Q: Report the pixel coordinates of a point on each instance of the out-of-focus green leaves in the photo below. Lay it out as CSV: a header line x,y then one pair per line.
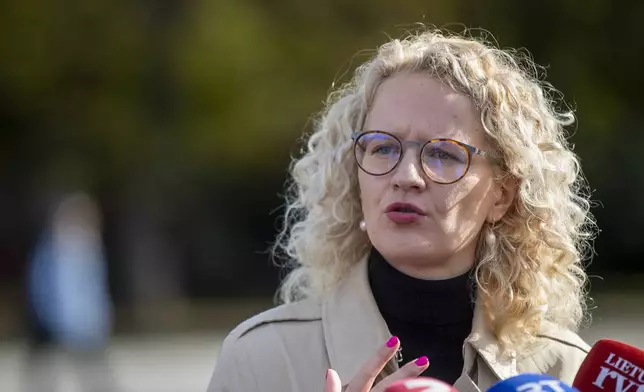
x,y
72,70
228,65
243,77
162,103
253,73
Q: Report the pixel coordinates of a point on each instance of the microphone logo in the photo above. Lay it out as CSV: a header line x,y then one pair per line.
x,y
542,386
531,382
628,377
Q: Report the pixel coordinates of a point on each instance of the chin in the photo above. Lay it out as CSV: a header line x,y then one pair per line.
x,y
414,241
412,252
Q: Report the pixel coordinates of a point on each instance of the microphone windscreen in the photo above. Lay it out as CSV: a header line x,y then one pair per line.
x,y
611,366
420,384
529,382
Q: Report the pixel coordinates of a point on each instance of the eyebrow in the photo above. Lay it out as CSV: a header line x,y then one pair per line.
x,y
398,133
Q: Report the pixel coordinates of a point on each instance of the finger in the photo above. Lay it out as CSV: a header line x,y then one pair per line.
x,y
412,369
332,382
363,381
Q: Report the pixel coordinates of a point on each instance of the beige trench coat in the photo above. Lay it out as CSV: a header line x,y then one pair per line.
x,y
289,348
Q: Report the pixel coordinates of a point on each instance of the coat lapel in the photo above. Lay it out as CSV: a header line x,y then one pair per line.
x,y
352,324
466,384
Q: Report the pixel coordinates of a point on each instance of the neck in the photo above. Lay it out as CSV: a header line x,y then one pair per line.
x,y
422,268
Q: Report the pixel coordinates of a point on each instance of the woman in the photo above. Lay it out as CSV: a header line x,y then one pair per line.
x,y
437,227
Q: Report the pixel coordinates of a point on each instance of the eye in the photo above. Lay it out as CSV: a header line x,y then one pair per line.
x,y
384,149
445,153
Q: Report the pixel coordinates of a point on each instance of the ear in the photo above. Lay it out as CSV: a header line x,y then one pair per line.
x,y
505,192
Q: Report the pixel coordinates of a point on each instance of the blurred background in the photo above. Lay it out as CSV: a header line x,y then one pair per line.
x,y
144,146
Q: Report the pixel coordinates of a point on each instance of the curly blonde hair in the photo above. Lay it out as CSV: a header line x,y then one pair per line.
x,y
529,265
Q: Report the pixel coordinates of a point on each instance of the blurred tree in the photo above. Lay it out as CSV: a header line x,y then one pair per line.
x,y
181,112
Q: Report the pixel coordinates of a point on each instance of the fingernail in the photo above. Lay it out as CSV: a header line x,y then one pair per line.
x,y
392,341
422,361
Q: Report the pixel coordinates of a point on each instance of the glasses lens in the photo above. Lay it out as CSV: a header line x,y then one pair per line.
x,y
445,161
377,153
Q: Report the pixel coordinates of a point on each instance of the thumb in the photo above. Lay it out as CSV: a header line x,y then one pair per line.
x,y
332,382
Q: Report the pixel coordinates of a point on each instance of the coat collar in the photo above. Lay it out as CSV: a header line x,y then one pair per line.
x,y
354,329
482,341
353,326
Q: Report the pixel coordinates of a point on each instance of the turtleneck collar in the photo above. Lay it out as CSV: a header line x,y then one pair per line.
x,y
429,302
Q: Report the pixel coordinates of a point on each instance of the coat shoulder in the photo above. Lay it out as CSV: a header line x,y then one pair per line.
x,y
560,355
255,354
295,312
566,340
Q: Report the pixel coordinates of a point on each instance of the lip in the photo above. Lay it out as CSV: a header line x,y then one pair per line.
x,y
412,213
394,207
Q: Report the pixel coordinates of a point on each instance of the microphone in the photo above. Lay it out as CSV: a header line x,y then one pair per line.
x,y
420,384
611,366
530,382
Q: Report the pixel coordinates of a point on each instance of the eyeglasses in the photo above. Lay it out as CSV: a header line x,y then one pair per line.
x,y
444,161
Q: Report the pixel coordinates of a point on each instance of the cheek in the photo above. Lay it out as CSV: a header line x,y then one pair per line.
x,y
450,198
468,199
371,191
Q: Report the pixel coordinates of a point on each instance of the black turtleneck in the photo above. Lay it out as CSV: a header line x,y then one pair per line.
x,y
430,317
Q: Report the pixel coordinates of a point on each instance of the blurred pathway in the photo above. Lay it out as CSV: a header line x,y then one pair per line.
x,y
184,362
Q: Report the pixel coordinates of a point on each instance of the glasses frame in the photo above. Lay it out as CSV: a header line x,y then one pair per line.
x,y
471,150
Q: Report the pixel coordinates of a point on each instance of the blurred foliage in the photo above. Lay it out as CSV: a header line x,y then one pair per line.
x,y
241,78
169,92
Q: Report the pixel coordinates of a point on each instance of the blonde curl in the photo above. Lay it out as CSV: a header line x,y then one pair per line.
x,y
529,264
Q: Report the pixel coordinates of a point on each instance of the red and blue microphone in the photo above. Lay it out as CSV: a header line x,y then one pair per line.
x,y
611,366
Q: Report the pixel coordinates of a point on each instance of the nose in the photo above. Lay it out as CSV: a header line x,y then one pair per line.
x,y
408,175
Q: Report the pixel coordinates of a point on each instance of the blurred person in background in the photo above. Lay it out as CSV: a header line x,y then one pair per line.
x,y
437,226
69,298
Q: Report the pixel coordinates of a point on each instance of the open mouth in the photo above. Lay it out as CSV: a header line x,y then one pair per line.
x,y
404,208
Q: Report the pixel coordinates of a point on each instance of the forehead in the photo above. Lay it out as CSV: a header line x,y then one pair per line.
x,y
419,106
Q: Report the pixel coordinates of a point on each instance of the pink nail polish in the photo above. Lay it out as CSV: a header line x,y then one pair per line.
x,y
422,361
392,341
